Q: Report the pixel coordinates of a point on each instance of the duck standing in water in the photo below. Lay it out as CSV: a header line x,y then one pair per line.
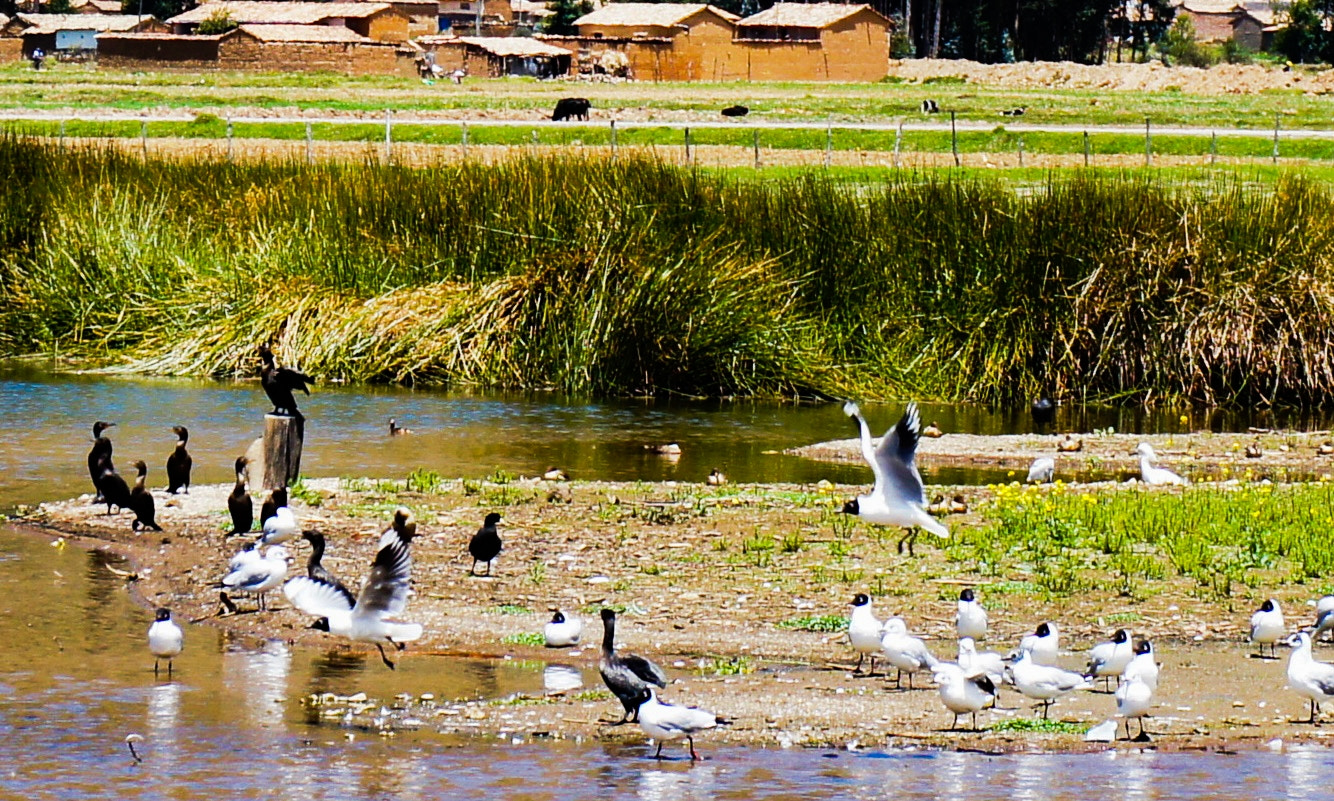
x,y
179,463
141,502
628,676
101,452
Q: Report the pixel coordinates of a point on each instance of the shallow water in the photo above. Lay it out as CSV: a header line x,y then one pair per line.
x,y
229,723
49,420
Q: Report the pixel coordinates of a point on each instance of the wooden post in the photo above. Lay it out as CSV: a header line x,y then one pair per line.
x,y
688,144
283,437
464,130
310,145
1148,143
1276,118
1021,153
613,138
143,136
954,141
229,137
388,137
756,131
828,145
898,143
1213,147
1086,148
62,129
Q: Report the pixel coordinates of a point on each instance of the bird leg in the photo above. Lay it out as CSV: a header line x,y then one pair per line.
x,y
955,725
694,757
871,672
909,536
975,722
154,666
861,657
384,658
658,755
1046,708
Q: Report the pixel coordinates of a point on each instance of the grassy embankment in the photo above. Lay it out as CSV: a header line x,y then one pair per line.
x,y
592,276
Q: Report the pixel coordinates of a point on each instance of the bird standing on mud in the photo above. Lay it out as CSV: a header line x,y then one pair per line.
x,y
239,504
141,501
485,544
628,676
112,487
280,382
179,463
100,453
898,497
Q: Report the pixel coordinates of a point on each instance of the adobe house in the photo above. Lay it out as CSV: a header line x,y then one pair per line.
x,y
529,13
815,42
380,22
268,47
1212,18
497,56
423,15
462,17
1255,27
662,41
96,6
69,32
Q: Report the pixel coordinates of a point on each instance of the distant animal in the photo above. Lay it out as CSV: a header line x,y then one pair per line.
x,y
1267,626
179,463
1149,473
1014,112
628,676
958,506
276,500
1070,445
1325,448
665,722
396,430
316,570
570,108
555,474
485,544
932,430
1043,411
257,574
562,632
735,111
1042,470
458,75
112,487
716,478
280,382
141,502
1254,451
165,639
930,107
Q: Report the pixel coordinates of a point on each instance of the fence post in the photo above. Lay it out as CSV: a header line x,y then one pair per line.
x,y
1086,148
310,146
757,147
1213,147
143,136
1148,143
1276,118
954,141
688,144
613,138
388,137
463,127
828,145
62,129
229,137
283,438
1021,153
898,144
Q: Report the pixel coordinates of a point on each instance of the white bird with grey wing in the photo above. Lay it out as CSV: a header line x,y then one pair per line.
x,y
1309,678
905,652
665,722
1267,626
898,497
1108,660
384,595
1042,470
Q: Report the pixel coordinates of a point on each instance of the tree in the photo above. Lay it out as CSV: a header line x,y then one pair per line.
x,y
1179,46
563,15
220,21
1305,39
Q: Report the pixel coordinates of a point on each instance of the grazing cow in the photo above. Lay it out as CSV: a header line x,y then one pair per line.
x,y
930,107
1016,112
735,111
570,108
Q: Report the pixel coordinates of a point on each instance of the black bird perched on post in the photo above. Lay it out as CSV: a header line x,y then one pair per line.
x,y
485,544
280,382
628,676
179,463
101,452
239,504
141,502
113,489
1043,411
276,499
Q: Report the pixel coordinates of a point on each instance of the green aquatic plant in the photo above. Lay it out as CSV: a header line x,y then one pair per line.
x,y
1038,725
825,623
524,638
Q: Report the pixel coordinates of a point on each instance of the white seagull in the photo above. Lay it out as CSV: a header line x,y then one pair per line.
x,y
258,574
1143,666
279,528
665,722
1324,616
562,632
1109,659
898,497
1151,475
963,694
985,663
1134,699
1312,679
971,619
383,596
165,639
864,631
1042,470
1043,682
904,651
1267,627
1044,644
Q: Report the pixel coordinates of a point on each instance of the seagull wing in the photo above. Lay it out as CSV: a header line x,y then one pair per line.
x,y
896,456
868,449
385,592
317,598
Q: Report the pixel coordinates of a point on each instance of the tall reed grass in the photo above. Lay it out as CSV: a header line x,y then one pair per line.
x,y
613,277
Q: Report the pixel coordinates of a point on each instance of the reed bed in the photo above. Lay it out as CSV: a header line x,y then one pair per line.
x,y
596,276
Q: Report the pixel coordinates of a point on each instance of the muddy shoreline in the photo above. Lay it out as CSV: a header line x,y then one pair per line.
x,y
704,596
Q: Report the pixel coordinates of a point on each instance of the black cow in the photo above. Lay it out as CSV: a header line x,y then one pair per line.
x,y
570,108
735,111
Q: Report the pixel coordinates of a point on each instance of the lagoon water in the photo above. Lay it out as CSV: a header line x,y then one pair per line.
x,y
76,679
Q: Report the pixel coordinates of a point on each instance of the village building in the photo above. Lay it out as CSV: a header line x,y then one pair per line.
x,y
476,17
661,41
269,47
529,13
1255,27
95,6
381,21
64,33
815,41
494,57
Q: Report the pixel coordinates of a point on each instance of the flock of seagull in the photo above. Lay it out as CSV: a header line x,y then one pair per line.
x,y
966,686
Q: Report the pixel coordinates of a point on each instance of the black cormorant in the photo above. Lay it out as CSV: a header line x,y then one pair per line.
x,y
141,502
101,451
113,489
280,382
179,463
317,571
627,676
269,508
240,506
